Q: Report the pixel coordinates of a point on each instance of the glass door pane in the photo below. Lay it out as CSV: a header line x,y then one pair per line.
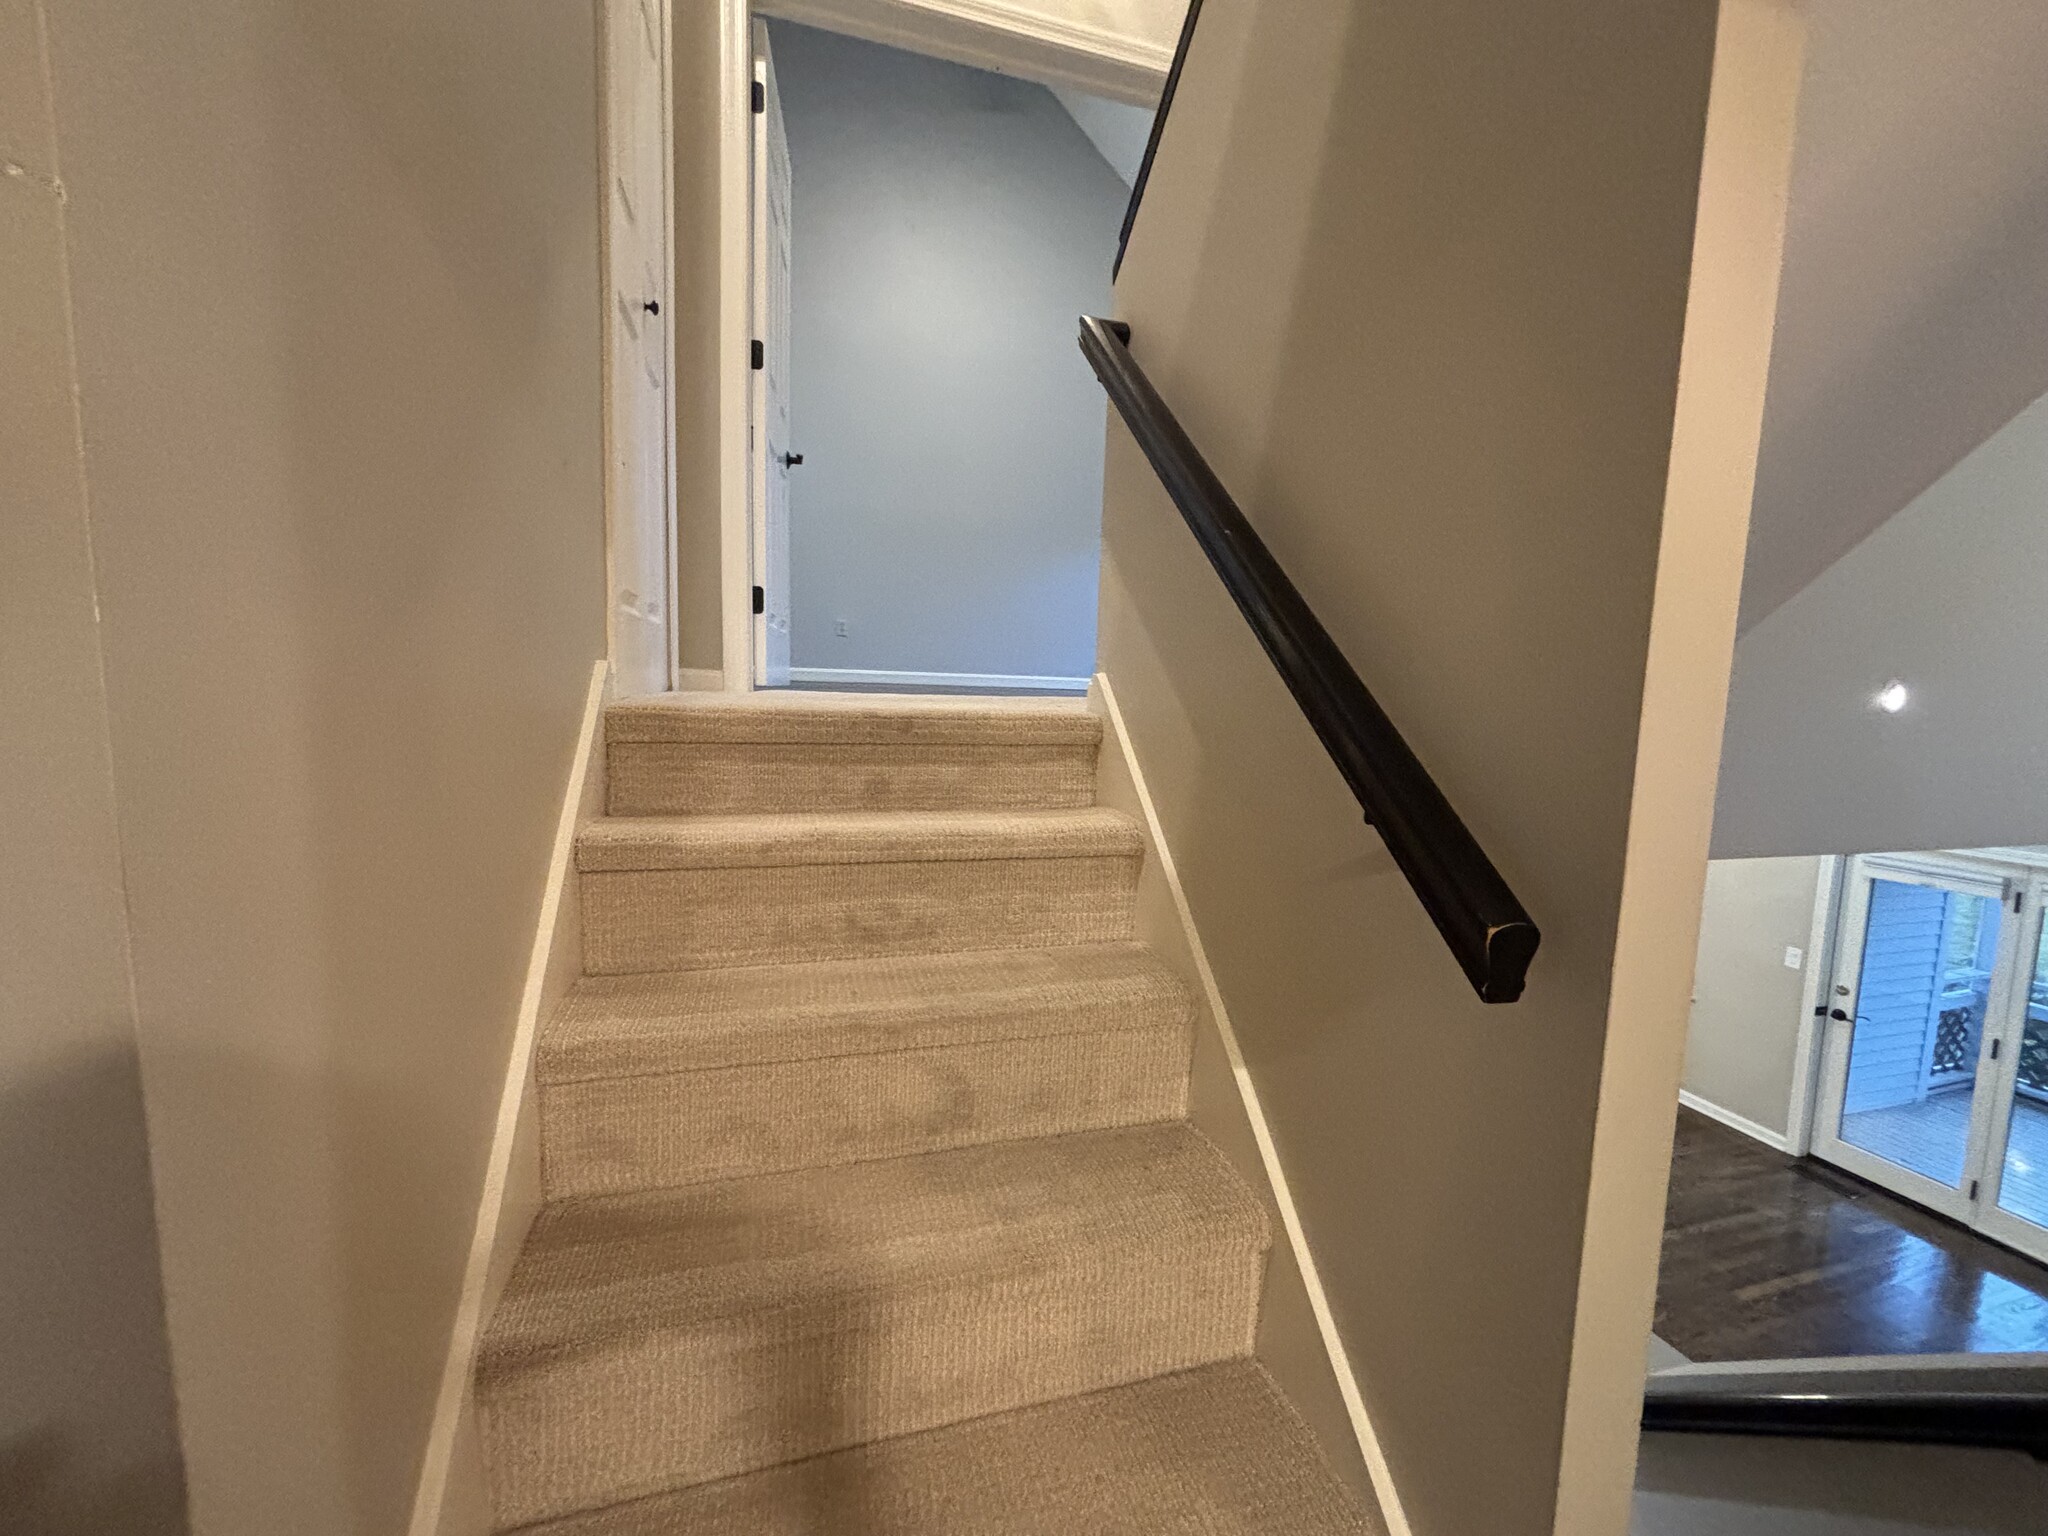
x,y
2024,1189
1928,958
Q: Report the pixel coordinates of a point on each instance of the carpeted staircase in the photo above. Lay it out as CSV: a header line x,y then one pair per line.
x,y
872,1208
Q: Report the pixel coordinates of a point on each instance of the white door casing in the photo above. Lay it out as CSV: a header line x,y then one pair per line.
x,y
769,443
639,419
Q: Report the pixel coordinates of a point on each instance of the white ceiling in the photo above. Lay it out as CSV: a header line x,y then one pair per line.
x,y
1913,317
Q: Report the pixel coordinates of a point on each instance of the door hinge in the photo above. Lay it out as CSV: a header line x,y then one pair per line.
x,y
760,599
1995,1044
760,97
760,355
1973,1189
2019,900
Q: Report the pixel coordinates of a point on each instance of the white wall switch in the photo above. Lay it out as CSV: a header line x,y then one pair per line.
x,y
1795,957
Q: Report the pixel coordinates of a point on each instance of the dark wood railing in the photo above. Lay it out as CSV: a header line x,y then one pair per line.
x,y
1490,935
1180,57
1992,1409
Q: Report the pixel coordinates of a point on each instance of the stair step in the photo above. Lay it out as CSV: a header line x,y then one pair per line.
x,y
730,753
651,1341
1215,1451
672,1077
689,892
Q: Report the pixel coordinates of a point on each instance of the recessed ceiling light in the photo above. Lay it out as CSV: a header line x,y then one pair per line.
x,y
1891,698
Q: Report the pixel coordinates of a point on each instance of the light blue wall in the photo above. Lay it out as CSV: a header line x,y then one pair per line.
x,y
948,228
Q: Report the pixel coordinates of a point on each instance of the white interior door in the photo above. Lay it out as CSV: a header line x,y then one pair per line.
x,y
638,417
1935,1069
770,429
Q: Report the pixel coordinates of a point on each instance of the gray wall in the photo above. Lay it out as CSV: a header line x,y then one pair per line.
x,y
1117,129
1908,327
1743,1035
948,228
88,1434
1731,1485
1947,597
334,272
694,380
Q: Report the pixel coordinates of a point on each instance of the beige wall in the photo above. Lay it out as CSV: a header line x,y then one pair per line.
x,y
1746,1002
88,1433
695,46
1381,275
336,289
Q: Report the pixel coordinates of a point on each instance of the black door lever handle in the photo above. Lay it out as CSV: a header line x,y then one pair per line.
x,y
789,459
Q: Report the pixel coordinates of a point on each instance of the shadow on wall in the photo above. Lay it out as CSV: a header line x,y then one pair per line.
x,y
81,1314
343,417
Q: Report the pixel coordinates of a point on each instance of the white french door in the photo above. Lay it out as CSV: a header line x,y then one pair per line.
x,y
1934,1078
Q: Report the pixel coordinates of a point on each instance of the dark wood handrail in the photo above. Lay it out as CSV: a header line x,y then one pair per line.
x,y
1180,57
1949,1411
1486,928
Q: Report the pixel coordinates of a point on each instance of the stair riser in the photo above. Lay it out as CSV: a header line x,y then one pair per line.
x,y
612,1135
685,919
681,1407
647,778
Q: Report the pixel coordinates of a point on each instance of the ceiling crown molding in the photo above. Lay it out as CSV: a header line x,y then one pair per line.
x,y
1008,39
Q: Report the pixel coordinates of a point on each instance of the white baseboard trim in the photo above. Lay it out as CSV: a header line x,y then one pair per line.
x,y
699,680
1763,1133
970,680
1171,930
450,1499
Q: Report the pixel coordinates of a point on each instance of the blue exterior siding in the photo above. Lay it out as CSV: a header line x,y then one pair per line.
x,y
1895,1001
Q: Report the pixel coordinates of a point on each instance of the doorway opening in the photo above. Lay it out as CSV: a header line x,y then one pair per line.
x,y
925,441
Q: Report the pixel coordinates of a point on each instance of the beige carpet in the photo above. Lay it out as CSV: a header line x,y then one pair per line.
x,y
1209,1452
871,1203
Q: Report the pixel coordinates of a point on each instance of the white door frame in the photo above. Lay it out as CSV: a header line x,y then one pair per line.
x,y
735,340
1992,1218
1975,1202
768,479
625,517
1816,996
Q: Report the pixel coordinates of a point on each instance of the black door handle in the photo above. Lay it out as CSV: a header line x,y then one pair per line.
x,y
652,306
789,459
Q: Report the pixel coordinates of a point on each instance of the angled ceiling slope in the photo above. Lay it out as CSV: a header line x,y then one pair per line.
x,y
1913,314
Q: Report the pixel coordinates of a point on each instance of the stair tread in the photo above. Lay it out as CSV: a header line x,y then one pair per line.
x,y
601,1271
1215,1451
681,1021
763,839
851,718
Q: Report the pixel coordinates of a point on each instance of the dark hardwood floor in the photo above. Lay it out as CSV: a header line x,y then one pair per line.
x,y
1771,1257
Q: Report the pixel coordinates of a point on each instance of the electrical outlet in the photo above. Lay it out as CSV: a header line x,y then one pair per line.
x,y
839,629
